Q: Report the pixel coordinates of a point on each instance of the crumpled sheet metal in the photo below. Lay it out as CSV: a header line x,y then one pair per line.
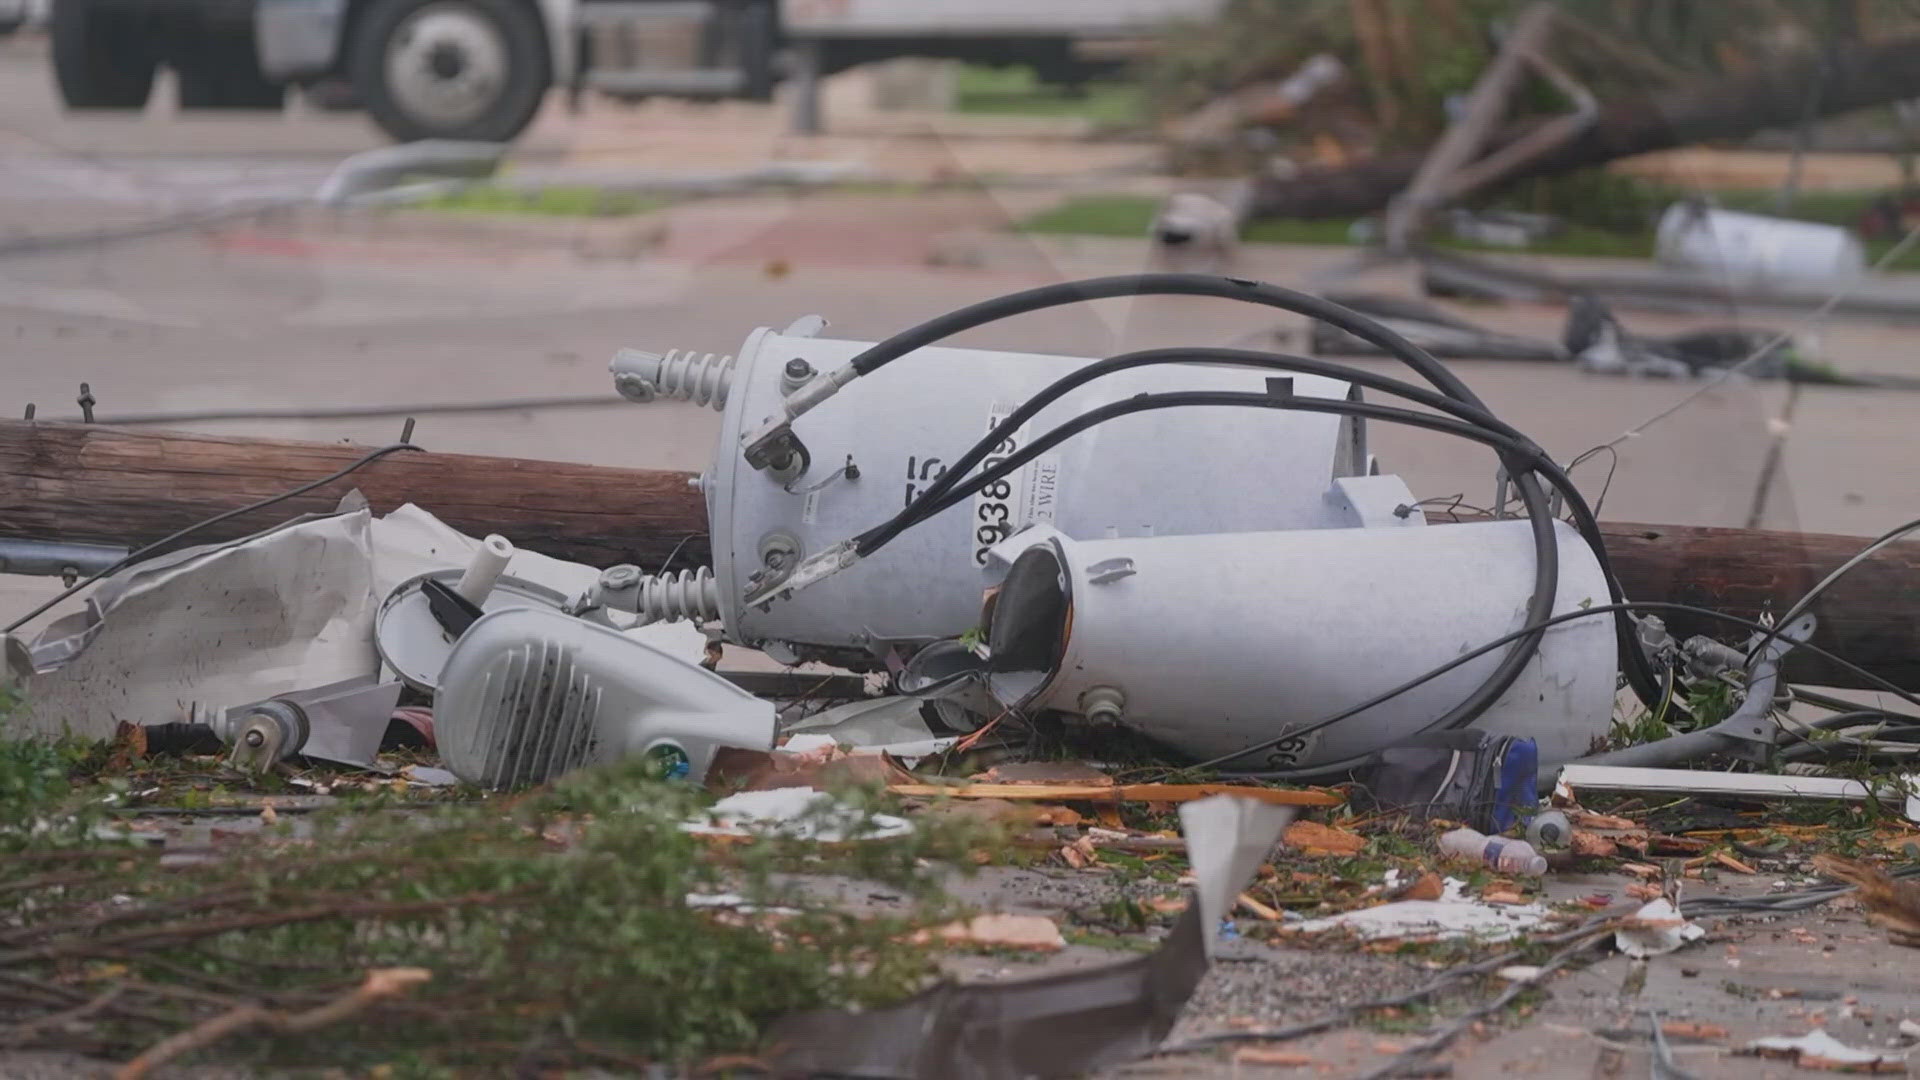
x,y
1053,1025
187,635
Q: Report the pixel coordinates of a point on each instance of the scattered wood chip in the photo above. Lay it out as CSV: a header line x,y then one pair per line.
x,y
1429,887
1258,1055
1045,772
1167,905
1661,844
1684,1029
1592,845
1640,891
1057,816
1080,854
1033,932
1732,863
1502,896
1586,819
129,746
1641,870
1122,840
1892,905
1260,909
1313,838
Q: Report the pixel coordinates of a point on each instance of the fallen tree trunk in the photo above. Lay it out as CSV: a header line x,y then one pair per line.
x,y
101,484
1855,75
117,486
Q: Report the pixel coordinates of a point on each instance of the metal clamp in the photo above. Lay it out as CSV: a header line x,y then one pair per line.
x,y
1748,734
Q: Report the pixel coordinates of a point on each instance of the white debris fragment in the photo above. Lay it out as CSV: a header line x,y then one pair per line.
x,y
810,744
1518,973
1910,1029
734,902
1444,918
797,812
1819,1050
1659,930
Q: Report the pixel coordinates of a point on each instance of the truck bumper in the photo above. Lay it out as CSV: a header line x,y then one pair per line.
x,y
298,38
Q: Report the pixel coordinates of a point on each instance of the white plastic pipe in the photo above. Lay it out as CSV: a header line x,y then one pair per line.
x,y
488,563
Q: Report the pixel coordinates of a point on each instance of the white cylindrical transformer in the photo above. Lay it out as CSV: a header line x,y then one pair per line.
x,y
1211,644
884,438
1753,247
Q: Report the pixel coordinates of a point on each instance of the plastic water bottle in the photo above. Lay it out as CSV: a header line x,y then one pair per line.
x,y
1506,856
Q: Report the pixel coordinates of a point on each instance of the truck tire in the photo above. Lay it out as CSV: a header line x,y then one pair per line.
x,y
450,69
99,61
224,73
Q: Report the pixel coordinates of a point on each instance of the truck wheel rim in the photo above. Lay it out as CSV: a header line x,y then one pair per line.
x,y
446,64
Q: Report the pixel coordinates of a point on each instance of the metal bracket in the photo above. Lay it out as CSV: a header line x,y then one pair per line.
x,y
815,569
1748,734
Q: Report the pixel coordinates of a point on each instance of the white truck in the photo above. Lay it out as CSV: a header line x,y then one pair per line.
x,y
479,69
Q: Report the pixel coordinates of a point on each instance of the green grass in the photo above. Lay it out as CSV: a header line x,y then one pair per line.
x,y
553,918
1129,215
1016,91
576,202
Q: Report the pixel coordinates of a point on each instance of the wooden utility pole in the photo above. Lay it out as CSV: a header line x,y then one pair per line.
x,y
110,485
90,483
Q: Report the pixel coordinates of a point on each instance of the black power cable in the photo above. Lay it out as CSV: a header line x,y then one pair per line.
x,y
1244,291
922,506
1639,672
1545,542
916,511
1519,452
142,553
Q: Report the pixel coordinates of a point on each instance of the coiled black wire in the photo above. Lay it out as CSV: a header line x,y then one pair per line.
x,y
1521,459
922,506
1519,453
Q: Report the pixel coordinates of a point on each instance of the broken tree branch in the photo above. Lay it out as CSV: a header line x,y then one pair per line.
x,y
1856,75
1536,143
1485,107
24,1034
174,933
379,985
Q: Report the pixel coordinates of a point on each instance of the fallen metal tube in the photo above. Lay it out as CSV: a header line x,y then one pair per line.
x,y
56,558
